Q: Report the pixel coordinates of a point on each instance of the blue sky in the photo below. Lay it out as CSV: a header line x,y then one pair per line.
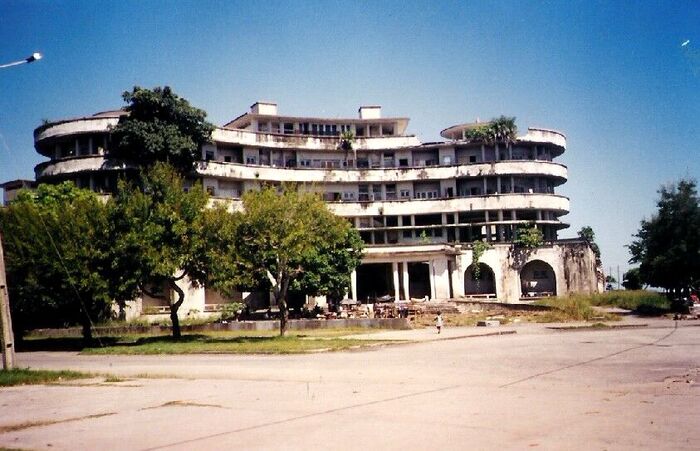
x,y
611,75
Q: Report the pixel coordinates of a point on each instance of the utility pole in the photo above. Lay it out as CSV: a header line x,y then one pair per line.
x,y
8,346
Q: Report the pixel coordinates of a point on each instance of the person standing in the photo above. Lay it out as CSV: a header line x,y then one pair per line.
x,y
438,322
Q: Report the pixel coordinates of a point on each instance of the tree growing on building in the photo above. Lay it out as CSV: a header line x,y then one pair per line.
x,y
667,246
57,258
158,239
160,126
290,240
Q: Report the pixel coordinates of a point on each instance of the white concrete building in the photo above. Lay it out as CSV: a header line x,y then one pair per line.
x,y
419,207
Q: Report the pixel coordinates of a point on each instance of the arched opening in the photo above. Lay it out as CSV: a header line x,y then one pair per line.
x,y
537,279
481,283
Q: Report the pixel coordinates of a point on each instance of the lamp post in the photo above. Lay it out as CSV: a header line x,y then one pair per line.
x,y
6,335
30,59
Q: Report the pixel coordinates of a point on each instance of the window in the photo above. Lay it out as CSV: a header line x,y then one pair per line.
x,y
405,193
472,158
209,155
251,160
211,190
403,162
288,128
227,159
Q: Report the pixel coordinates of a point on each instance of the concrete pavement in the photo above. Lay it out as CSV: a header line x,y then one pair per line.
x,y
538,388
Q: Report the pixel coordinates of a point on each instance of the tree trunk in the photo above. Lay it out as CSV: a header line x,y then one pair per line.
x,y
174,307
122,310
284,316
87,332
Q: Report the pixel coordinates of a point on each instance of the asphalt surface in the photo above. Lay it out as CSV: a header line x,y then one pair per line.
x,y
538,388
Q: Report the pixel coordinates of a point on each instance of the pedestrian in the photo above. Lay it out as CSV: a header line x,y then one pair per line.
x,y
438,321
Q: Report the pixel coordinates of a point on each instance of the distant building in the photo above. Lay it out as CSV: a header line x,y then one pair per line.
x,y
418,206
11,188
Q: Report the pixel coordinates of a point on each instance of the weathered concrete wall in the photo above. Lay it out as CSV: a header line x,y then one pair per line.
x,y
573,265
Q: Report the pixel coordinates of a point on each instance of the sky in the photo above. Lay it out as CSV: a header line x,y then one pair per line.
x,y
613,76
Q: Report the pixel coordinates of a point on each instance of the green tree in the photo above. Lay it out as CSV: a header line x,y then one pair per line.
x,y
55,244
632,280
667,246
529,237
158,238
498,130
160,126
586,233
291,240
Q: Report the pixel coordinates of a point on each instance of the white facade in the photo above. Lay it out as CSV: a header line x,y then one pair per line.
x,y
418,207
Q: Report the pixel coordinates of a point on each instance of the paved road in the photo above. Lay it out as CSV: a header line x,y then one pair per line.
x,y
539,389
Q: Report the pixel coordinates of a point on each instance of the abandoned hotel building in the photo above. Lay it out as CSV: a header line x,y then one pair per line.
x,y
418,206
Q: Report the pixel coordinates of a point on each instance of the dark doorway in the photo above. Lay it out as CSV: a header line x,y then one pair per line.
x,y
374,281
419,279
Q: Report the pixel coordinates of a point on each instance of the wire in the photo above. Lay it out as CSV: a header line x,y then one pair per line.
x,y
70,280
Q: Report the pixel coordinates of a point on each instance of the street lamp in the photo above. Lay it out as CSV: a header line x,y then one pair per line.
x,y
30,59
8,348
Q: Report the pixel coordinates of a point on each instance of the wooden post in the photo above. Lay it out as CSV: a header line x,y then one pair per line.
x,y
8,347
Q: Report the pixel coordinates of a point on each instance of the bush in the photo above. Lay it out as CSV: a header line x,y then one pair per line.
x,y
641,301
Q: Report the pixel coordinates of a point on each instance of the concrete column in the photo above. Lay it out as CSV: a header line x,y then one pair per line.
x,y
404,275
495,152
431,268
487,226
483,153
498,184
485,186
510,151
353,285
395,273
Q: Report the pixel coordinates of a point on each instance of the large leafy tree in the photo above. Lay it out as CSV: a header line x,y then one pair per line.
x,y
289,239
667,246
158,238
632,280
160,126
57,259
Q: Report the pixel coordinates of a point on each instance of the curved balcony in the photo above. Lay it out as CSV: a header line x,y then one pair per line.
x,y
553,202
280,141
75,165
387,175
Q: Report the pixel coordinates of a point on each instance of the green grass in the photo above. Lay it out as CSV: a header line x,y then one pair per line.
x,y
224,342
641,301
214,344
23,376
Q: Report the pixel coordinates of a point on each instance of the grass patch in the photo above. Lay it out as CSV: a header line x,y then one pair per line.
x,y
25,376
214,342
641,301
572,308
217,344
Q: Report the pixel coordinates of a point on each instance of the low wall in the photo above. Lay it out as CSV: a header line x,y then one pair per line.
x,y
295,324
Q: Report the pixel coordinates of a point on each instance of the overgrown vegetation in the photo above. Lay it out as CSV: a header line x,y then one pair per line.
x,y
478,249
498,130
25,376
529,237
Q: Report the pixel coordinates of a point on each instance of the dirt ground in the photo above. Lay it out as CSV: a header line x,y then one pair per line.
x,y
537,388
